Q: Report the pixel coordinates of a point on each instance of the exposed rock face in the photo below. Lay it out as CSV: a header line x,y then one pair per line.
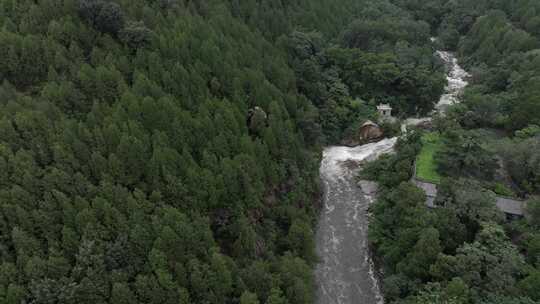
x,y
370,131
367,132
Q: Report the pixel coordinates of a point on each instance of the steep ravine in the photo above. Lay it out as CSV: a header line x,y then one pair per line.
x,y
345,274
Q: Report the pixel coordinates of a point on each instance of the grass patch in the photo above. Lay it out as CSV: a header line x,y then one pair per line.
x,y
426,168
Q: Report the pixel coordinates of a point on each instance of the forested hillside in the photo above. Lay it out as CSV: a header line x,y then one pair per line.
x,y
465,250
129,173
167,151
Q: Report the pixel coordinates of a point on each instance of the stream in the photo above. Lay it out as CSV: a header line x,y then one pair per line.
x,y
346,273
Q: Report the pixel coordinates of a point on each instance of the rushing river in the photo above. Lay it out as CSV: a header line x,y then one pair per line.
x,y
456,81
346,274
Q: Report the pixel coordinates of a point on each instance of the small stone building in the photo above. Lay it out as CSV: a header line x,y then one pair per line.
x,y
385,111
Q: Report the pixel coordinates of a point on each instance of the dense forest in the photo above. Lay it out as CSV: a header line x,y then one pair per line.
x,y
166,151
465,250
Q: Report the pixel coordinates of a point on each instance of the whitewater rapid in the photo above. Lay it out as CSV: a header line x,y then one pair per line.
x,y
456,78
457,81
346,274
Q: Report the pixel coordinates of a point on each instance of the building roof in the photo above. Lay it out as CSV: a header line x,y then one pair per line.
x,y
510,206
384,106
506,205
429,188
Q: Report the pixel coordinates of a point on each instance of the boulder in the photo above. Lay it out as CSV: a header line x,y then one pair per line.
x,y
370,131
367,132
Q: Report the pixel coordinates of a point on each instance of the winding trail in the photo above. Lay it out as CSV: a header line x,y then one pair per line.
x,y
345,274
